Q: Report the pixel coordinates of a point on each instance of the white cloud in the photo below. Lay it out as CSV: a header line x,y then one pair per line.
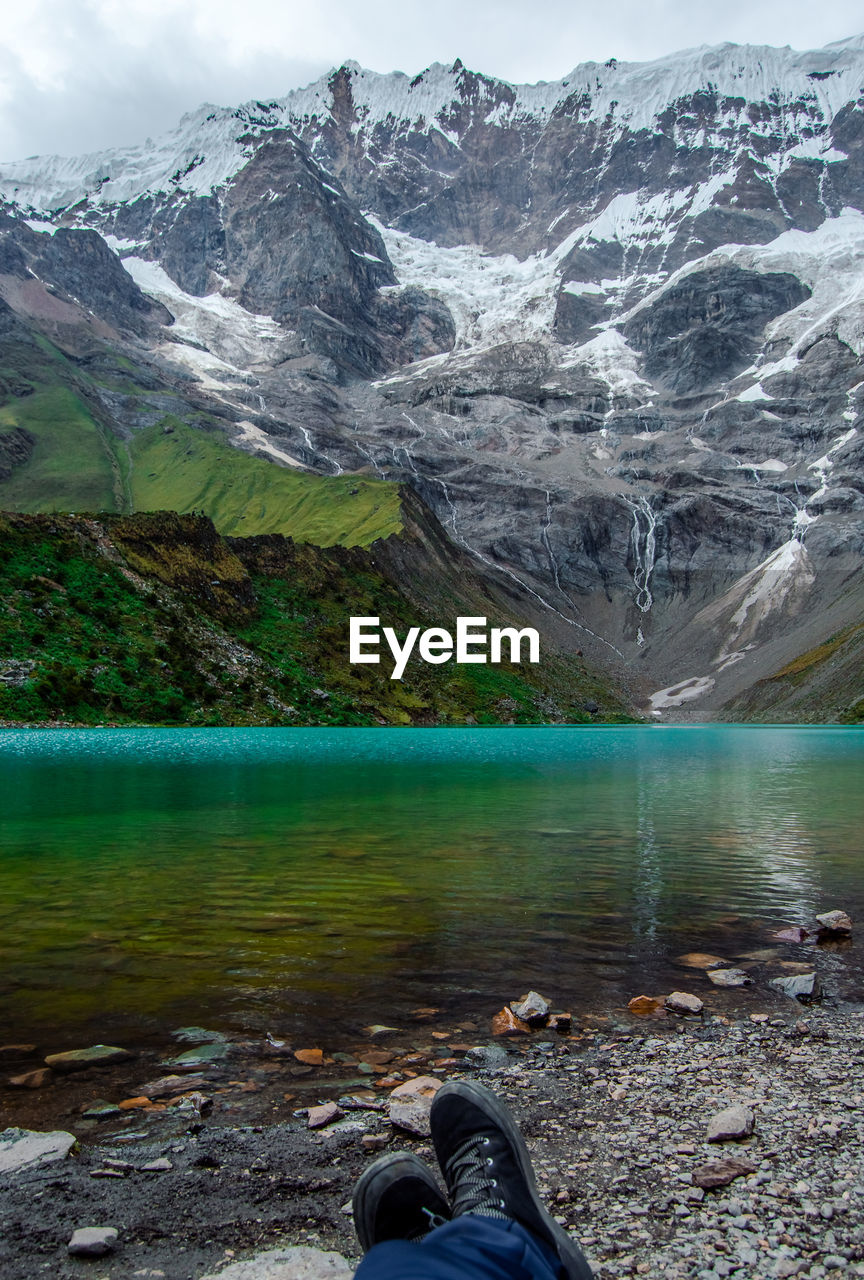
x,y
78,75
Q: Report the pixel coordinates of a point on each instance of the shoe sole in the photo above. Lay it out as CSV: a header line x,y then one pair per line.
x,y
402,1164
568,1251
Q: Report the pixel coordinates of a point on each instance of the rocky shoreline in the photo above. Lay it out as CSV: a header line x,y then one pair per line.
x,y
674,1144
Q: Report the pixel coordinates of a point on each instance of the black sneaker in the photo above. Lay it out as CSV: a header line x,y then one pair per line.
x,y
397,1198
487,1168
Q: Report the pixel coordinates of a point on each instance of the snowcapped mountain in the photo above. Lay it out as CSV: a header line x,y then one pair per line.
x,y
610,327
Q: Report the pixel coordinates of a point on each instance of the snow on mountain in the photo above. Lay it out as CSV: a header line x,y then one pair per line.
x,y
210,145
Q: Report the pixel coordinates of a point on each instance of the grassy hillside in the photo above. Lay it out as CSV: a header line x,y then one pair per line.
x,y
825,685
174,467
85,459
156,619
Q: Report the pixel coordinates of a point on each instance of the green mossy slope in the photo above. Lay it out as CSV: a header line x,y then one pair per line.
x,y
155,619
137,457
181,469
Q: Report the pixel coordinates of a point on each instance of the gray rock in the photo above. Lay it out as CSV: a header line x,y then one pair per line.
x,y
203,1055
733,1123
411,1103
801,986
730,978
92,1242
835,922
531,1008
22,1147
486,1057
301,1262
197,1035
98,1055
684,1002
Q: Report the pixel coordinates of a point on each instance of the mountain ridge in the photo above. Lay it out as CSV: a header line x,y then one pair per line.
x,y
618,352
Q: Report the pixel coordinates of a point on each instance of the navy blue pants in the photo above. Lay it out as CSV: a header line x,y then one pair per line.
x,y
468,1248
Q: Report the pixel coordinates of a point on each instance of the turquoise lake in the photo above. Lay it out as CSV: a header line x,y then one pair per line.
x,y
305,880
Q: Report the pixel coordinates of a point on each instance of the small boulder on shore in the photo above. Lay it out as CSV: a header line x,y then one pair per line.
x,y
22,1147
92,1242
411,1103
731,1124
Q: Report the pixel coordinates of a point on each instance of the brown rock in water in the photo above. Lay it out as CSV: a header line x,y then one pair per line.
x,y
560,1022
506,1023
791,934
731,1124
17,1050
411,1102
835,922
642,1006
700,960
310,1057
32,1079
531,1008
683,1002
719,1173
134,1104
317,1117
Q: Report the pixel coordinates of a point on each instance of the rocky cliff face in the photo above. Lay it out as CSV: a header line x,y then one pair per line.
x,y
609,328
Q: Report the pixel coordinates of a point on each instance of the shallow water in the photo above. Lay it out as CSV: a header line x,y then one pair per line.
x,y
302,880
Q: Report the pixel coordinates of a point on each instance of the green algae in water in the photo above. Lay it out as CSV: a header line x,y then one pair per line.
x,y
305,879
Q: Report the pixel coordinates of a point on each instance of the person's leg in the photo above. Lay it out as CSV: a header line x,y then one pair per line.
x,y
488,1171
500,1229
468,1248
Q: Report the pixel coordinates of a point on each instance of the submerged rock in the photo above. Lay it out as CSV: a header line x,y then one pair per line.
x,y
98,1055
730,978
792,933
32,1079
201,1056
22,1147
643,1006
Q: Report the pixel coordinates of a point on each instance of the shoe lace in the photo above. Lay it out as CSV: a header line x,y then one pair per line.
x,y
433,1220
468,1174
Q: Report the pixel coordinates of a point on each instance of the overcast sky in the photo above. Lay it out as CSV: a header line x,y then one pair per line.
x,y
79,75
